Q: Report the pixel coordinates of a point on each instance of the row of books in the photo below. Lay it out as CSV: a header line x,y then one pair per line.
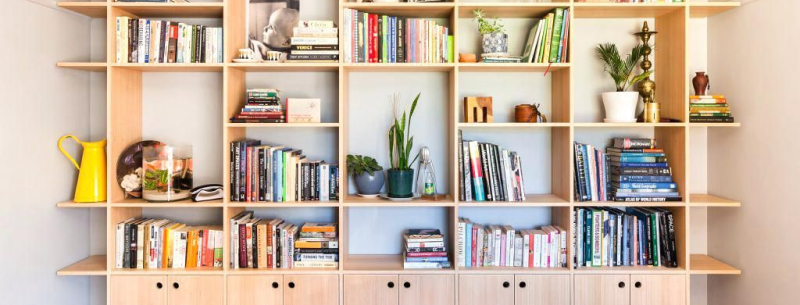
x,y
145,243
636,236
315,41
424,249
709,109
488,172
275,173
503,246
156,41
273,243
591,173
548,40
374,38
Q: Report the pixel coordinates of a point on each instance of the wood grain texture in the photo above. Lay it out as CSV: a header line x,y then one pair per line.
x,y
486,289
255,289
93,265
427,289
671,65
371,290
138,290
704,264
124,125
91,9
602,290
311,290
658,289
195,290
542,289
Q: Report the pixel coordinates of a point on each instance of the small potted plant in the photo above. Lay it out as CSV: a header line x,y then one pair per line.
x,y
367,174
493,35
621,105
401,175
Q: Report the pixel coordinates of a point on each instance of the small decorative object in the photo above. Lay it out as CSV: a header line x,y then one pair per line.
x,y
478,109
245,56
401,175
367,174
465,57
620,106
529,113
303,110
91,186
493,36
647,87
274,56
700,83
207,192
426,175
129,169
167,172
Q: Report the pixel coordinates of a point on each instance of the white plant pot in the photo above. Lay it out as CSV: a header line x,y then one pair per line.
x,y
620,106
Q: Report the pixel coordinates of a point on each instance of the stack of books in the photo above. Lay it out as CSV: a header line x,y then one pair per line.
x,y
374,38
503,246
709,109
637,236
315,41
145,243
548,40
155,41
499,58
591,173
639,172
488,172
262,106
317,247
275,173
424,249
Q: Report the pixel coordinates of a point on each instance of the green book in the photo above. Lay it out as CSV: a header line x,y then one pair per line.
x,y
654,237
556,40
543,41
385,39
286,156
450,48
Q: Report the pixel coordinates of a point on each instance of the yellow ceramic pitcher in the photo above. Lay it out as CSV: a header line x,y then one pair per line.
x,y
91,185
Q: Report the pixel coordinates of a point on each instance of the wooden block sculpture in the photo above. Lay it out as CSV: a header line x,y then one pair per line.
x,y
478,109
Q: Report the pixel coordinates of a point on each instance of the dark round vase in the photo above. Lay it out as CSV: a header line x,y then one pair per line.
x,y
369,184
401,183
700,83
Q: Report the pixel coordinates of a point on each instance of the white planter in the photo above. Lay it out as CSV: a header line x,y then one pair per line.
x,y
620,106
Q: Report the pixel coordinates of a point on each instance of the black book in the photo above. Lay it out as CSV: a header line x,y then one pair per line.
x,y
126,256
132,23
380,38
162,51
262,179
647,199
657,159
461,194
426,249
315,47
487,181
500,182
467,174
640,171
401,41
315,181
710,119
202,46
234,169
498,186
315,251
587,236
580,173
334,195
306,182
133,247
629,143
255,245
670,233
313,57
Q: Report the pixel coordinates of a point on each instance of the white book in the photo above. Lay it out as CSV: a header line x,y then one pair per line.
x,y
314,41
509,245
620,219
181,42
518,242
316,23
460,256
324,181
156,41
218,244
537,249
120,237
605,240
119,39
140,41
303,110
597,237
526,243
497,244
490,247
347,18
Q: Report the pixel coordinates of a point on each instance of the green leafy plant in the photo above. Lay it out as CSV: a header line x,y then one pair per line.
x,y
400,139
358,164
487,26
622,71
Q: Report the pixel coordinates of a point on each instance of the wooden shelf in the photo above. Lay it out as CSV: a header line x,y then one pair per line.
x,y
511,270
383,263
708,9
161,10
512,125
629,204
511,67
251,271
354,200
91,9
169,271
531,200
86,66
73,204
406,9
282,125
629,270
174,67
141,203
509,10
299,204
735,124
616,125
705,200
704,264
92,266
625,10
399,67
286,67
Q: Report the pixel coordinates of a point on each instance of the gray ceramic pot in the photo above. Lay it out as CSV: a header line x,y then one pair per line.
x,y
495,43
369,184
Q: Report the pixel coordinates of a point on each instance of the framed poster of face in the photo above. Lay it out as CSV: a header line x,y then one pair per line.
x,y
270,24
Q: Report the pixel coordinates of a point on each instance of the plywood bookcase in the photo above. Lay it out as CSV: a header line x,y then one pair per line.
x,y
124,121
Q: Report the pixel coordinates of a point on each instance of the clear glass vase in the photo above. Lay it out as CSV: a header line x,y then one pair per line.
x,y
167,172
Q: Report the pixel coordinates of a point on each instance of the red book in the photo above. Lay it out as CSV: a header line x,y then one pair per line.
x,y
474,245
204,248
426,254
247,174
373,52
173,43
260,116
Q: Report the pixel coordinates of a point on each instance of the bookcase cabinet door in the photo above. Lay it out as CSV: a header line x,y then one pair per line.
x,y
255,289
427,289
139,290
196,290
370,290
486,289
602,290
658,289
542,290
311,290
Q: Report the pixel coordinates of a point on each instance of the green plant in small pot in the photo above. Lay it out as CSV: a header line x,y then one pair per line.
x,y
620,106
401,175
367,174
493,36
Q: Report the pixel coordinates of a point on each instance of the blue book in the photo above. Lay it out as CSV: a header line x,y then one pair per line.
x,y
426,259
638,185
631,159
468,245
637,154
627,178
624,247
586,163
393,39
563,32
646,194
644,164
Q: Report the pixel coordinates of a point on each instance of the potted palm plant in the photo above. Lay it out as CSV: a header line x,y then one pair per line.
x,y
620,106
401,175
493,36
367,174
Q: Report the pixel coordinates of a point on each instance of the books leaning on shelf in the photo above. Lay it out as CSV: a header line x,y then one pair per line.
x,y
424,249
261,106
145,243
636,236
373,38
488,172
548,40
156,41
314,41
503,246
591,173
709,109
273,243
275,173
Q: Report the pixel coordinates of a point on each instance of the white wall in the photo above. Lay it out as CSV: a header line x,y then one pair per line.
x,y
752,52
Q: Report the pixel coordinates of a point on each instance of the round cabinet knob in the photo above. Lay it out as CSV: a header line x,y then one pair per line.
x,y
275,285
159,285
522,284
506,284
390,284
175,285
407,285
638,285
291,284
621,285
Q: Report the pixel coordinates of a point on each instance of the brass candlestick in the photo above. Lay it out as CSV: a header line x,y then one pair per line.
x,y
647,87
